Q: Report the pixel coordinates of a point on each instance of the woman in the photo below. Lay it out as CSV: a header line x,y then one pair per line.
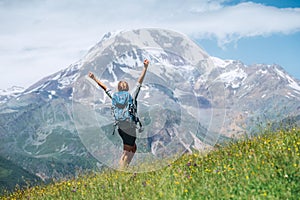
x,y
127,134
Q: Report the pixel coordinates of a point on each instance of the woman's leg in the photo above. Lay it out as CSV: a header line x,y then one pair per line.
x,y
128,153
133,150
129,148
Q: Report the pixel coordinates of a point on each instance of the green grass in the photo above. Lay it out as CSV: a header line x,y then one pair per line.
x,y
12,174
263,167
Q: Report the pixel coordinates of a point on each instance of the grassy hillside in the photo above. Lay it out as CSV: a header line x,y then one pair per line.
x,y
12,175
264,167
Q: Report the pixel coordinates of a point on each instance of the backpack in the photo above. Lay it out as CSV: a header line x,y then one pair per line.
x,y
124,110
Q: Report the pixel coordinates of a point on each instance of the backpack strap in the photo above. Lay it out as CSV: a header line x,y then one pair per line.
x,y
115,126
108,93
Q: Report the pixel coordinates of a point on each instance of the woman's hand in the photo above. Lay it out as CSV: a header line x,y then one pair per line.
x,y
91,75
146,63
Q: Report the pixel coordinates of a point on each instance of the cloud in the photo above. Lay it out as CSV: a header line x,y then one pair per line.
x,y
246,20
231,23
62,20
48,35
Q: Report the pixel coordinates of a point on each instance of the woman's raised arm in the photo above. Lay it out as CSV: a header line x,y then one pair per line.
x,y
142,76
102,85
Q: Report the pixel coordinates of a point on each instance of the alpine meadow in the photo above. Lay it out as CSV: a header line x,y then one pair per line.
x,y
263,167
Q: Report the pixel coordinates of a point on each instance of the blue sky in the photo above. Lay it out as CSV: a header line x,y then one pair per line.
x,y
275,3
275,48
40,37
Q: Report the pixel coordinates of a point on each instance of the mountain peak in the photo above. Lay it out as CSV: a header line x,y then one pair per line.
x,y
11,91
218,62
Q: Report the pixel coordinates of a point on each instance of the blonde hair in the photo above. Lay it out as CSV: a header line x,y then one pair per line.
x,y
123,86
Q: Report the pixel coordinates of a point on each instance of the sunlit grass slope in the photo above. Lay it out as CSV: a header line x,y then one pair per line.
x,y
263,167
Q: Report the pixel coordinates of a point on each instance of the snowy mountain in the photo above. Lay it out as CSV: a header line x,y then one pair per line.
x,y
189,100
9,93
257,94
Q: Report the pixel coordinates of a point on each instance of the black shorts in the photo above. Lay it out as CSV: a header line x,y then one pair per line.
x,y
128,136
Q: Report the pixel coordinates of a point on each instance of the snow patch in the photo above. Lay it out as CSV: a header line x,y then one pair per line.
x,y
233,78
127,60
147,95
11,91
64,147
111,34
221,63
280,73
56,77
261,71
68,80
292,83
